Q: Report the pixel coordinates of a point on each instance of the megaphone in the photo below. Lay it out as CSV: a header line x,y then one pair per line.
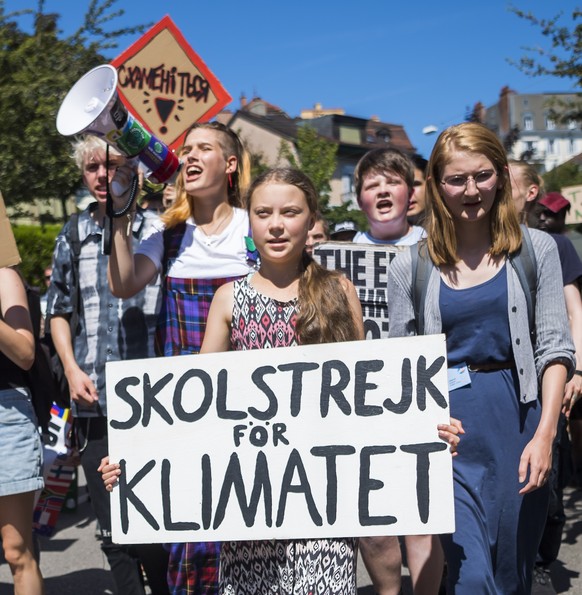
x,y
93,106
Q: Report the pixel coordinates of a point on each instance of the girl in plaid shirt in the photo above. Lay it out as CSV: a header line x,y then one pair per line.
x,y
200,244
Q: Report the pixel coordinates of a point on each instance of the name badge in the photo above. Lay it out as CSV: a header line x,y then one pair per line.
x,y
458,376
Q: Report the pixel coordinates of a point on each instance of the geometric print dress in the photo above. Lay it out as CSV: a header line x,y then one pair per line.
x,y
284,567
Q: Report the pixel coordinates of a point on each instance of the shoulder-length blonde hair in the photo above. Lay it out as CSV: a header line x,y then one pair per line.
x,y
468,137
183,206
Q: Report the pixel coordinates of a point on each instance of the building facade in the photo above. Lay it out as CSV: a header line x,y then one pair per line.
x,y
263,127
534,122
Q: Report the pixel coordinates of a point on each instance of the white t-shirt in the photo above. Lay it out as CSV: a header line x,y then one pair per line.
x,y
201,256
414,236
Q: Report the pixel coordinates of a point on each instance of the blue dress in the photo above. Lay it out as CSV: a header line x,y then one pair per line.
x,y
493,549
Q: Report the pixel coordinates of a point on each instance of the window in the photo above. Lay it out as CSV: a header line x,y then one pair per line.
x,y
383,135
551,146
550,123
572,125
348,189
350,135
572,145
528,123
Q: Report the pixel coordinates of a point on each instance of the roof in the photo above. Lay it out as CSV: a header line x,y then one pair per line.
x,y
281,125
374,134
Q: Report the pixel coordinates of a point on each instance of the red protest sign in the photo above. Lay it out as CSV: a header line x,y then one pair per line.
x,y
164,82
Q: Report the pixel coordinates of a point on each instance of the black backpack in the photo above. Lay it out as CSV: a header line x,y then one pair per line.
x,y
40,378
523,262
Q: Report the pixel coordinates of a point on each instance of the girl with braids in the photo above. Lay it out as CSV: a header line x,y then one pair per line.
x,y
198,246
304,303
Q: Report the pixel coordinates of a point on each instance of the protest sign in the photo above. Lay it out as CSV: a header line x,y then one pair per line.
x,y
329,440
366,266
574,195
166,84
9,255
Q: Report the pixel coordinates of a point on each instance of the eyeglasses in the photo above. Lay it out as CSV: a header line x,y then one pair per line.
x,y
483,180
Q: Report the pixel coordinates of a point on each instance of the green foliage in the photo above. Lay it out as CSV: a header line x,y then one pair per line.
x,y
38,70
316,158
258,164
36,245
344,213
567,174
562,57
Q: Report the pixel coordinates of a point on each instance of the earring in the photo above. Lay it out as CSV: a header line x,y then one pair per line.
x,y
230,180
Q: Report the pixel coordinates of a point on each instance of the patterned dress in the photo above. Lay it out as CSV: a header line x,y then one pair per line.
x,y
285,567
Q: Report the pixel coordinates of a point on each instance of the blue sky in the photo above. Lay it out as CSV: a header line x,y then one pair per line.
x,y
411,63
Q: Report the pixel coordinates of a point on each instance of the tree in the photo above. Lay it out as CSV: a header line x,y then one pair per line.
x,y
316,157
562,59
345,212
511,138
567,174
38,69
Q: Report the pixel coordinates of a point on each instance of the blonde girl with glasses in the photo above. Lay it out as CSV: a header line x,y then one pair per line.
x,y
512,383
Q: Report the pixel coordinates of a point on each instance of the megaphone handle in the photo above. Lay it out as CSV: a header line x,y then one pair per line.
x,y
107,237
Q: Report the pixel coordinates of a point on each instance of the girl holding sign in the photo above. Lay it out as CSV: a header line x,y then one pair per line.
x,y
289,300
506,378
199,245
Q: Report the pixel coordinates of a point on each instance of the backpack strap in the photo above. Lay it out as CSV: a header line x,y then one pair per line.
x,y
524,264
75,243
421,267
172,241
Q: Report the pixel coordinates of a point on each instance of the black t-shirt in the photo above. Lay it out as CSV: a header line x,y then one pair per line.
x,y
569,259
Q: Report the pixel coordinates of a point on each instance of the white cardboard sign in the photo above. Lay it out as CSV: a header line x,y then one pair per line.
x,y
335,440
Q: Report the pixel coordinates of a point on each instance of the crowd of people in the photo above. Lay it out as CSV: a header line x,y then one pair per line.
x,y
200,266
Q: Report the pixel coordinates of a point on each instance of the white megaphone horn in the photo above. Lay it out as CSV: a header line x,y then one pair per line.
x,y
93,106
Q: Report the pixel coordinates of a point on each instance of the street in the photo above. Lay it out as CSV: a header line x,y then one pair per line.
x,y
72,562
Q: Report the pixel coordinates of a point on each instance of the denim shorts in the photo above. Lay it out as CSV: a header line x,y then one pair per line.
x,y
20,444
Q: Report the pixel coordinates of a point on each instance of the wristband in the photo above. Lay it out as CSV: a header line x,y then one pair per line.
x,y
578,372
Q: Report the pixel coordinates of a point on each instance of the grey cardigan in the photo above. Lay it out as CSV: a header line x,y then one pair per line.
x,y
553,340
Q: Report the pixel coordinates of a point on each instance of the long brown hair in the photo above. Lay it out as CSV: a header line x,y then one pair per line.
x,y
324,312
183,206
468,137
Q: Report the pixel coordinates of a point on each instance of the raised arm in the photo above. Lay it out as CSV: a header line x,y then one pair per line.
x,y
127,273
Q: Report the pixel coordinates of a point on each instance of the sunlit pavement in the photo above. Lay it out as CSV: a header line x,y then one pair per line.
x,y
72,562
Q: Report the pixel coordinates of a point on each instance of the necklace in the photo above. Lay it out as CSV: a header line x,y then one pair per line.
x,y
218,226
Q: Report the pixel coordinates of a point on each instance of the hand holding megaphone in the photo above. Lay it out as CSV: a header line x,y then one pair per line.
x,y
123,183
